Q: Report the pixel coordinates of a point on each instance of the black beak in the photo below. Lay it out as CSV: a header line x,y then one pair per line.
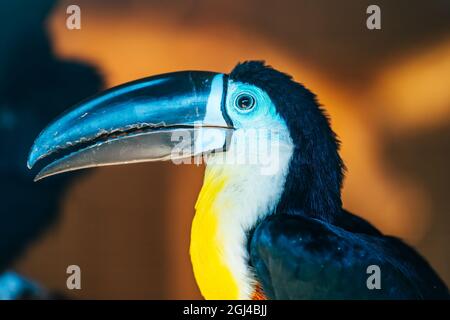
x,y
139,121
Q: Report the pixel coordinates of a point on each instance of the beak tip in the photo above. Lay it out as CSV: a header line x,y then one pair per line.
x,y
30,163
34,155
41,175
31,159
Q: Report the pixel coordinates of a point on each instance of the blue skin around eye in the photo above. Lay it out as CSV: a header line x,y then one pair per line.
x,y
262,115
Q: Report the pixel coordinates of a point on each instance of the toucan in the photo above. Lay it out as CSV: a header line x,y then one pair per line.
x,y
267,226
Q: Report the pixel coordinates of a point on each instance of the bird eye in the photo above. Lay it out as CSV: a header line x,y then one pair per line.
x,y
245,102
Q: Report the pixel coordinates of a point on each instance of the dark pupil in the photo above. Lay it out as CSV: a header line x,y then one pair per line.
x,y
246,102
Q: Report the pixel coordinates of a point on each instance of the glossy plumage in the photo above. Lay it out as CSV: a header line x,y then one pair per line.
x,y
298,257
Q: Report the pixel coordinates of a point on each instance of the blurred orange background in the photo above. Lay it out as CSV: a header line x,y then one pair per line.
x,y
387,92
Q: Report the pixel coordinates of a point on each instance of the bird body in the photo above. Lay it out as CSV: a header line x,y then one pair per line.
x,y
269,220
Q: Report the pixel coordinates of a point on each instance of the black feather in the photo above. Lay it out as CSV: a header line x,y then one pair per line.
x,y
297,257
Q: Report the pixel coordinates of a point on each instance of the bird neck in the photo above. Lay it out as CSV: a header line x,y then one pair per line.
x,y
231,202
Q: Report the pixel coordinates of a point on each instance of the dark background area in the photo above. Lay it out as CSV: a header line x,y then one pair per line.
x,y
128,227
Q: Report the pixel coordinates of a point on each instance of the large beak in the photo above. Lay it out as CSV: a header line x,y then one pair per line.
x,y
139,121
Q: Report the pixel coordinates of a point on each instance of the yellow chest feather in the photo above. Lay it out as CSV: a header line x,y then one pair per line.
x,y
211,271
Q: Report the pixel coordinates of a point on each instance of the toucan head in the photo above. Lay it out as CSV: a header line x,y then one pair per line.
x,y
144,120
